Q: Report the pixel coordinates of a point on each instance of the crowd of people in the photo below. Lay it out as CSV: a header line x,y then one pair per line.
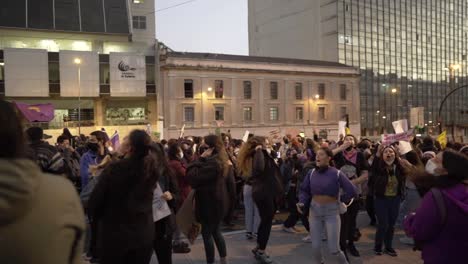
x,y
84,198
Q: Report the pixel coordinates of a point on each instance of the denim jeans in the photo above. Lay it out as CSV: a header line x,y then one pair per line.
x,y
325,219
252,216
210,232
409,205
386,210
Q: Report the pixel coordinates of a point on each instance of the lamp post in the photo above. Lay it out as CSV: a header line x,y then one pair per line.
x,y
452,68
393,101
77,61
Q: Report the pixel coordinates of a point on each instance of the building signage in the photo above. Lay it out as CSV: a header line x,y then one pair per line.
x,y
127,74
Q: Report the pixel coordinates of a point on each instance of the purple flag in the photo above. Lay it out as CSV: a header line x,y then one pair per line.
x,y
36,112
115,140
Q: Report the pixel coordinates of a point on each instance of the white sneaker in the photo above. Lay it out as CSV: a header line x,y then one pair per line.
x,y
407,241
289,230
307,239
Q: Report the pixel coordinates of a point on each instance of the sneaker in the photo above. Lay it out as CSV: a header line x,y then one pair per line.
x,y
407,241
307,239
390,252
263,258
353,251
378,252
289,230
249,236
295,229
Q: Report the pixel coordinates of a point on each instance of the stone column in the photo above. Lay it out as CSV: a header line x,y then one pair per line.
x,y
235,108
261,102
99,111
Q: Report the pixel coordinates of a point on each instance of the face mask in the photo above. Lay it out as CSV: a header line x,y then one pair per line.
x,y
180,155
93,147
431,167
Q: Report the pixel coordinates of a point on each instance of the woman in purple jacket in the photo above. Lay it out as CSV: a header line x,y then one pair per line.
x,y
440,225
321,188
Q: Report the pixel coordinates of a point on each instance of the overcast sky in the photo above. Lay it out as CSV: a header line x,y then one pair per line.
x,y
215,26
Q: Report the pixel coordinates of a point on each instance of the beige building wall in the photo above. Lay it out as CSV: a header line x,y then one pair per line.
x,y
233,74
301,29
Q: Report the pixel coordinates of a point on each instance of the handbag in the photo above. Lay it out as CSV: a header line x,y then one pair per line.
x,y
186,220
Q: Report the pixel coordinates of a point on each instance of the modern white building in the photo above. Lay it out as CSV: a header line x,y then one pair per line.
x,y
262,95
410,53
99,56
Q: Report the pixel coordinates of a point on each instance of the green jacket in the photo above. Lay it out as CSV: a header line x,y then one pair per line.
x,y
41,218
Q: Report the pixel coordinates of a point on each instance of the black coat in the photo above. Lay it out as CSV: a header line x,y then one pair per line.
x,y
123,211
214,191
266,184
379,178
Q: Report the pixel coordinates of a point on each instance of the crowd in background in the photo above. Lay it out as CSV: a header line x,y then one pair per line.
x,y
125,200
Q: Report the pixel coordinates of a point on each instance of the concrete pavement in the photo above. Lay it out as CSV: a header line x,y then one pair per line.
x,y
285,248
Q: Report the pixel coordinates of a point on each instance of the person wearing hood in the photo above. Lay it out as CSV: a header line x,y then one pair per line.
x,y
49,159
439,225
41,219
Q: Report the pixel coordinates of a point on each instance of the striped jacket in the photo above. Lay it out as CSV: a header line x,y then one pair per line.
x,y
48,158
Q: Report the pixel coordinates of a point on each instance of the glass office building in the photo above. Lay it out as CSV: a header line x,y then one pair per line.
x,y
411,54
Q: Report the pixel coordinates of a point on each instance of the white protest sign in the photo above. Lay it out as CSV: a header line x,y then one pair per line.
x,y
182,131
388,139
246,136
160,207
401,126
341,129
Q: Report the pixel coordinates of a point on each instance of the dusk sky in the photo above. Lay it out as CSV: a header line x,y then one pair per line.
x,y
215,26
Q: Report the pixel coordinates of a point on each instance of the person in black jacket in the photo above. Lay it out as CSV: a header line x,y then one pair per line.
x,y
254,160
388,184
122,204
212,178
164,228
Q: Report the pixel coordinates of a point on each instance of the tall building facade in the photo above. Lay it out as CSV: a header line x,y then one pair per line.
x,y
411,53
262,95
114,43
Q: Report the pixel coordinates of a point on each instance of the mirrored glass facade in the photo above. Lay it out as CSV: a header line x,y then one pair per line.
x,y
404,49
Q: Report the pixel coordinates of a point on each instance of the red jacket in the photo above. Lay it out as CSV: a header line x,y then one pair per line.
x,y
179,169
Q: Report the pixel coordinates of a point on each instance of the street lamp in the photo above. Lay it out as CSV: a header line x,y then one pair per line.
x,y
394,91
210,89
77,61
451,68
317,96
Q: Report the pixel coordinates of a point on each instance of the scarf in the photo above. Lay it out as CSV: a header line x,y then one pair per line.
x,y
351,156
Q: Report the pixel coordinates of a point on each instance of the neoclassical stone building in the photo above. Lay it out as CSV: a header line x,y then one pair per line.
x,y
204,91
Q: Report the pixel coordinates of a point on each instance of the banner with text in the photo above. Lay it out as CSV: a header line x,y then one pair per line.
x,y
127,74
388,139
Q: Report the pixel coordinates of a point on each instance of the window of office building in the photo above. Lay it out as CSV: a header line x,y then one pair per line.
x,y
342,91
54,72
188,88
274,90
299,113
321,113
219,89
219,113
298,90
274,114
189,114
247,90
321,91
247,113
139,22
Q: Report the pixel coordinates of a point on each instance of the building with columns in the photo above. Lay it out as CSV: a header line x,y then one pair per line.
x,y
203,91
93,60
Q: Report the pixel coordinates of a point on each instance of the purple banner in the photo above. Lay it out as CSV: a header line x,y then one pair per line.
x,y
36,112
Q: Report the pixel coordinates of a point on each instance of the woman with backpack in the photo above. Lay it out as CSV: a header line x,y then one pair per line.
x,y
388,185
212,179
439,225
321,189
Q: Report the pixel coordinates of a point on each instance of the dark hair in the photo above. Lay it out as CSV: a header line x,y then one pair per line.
x,y
428,141
164,142
456,165
413,158
173,150
214,141
329,153
62,138
11,135
35,134
141,145
67,133
101,136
